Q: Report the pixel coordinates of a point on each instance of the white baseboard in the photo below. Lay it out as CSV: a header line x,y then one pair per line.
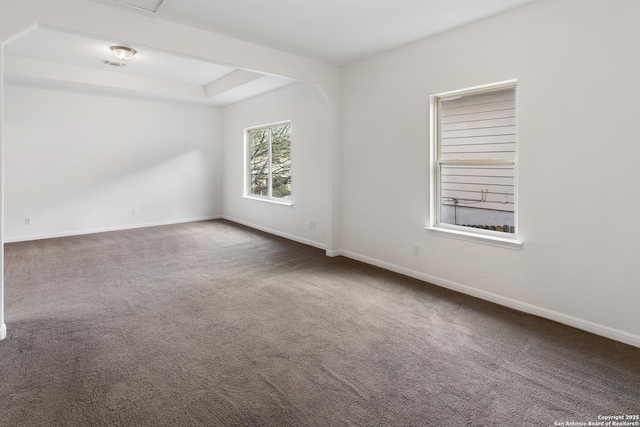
x,y
575,322
277,233
105,229
3,331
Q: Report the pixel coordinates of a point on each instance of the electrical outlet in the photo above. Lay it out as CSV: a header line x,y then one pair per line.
x,y
312,225
134,211
416,249
27,221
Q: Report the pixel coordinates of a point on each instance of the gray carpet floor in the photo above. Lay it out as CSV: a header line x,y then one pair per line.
x,y
215,324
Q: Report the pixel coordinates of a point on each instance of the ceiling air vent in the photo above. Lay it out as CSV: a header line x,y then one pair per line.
x,y
114,63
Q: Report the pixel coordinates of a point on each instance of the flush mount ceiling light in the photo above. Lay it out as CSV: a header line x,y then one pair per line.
x,y
122,52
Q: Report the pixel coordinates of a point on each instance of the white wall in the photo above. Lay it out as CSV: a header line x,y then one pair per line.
x,y
309,113
79,162
578,102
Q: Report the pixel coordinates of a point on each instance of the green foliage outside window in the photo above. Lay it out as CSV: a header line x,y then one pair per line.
x,y
270,161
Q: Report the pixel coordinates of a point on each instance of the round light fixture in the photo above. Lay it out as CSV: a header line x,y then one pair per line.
x,y
122,52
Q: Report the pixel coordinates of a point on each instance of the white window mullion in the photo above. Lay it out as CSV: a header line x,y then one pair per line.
x,y
270,185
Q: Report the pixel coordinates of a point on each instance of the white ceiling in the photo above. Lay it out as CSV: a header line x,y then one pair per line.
x,y
36,58
44,44
334,31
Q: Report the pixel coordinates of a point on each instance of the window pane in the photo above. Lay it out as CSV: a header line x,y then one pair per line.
x,y
480,126
259,161
480,196
281,163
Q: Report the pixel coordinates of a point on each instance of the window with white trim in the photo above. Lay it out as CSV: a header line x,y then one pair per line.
x,y
269,162
474,158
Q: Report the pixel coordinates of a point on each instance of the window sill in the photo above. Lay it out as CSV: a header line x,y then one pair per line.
x,y
502,242
267,200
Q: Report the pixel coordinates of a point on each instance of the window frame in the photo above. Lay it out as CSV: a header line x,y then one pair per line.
x,y
247,160
435,226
